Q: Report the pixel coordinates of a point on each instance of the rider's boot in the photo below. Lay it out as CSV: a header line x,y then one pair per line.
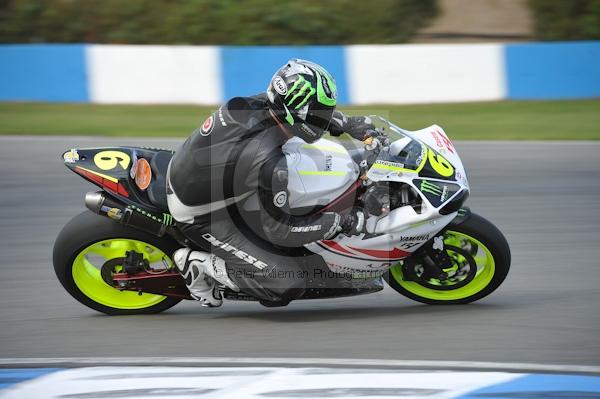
x,y
201,272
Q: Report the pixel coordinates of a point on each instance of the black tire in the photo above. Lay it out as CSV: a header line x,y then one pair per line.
x,y
484,231
88,228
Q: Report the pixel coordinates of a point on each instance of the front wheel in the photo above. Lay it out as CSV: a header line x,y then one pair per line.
x,y
87,242
480,259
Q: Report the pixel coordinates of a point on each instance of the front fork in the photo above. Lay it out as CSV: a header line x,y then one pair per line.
x,y
431,261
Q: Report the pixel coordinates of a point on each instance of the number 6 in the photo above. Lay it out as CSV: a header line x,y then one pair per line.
x,y
440,164
107,160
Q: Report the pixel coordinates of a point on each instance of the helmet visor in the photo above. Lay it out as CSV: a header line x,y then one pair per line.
x,y
319,120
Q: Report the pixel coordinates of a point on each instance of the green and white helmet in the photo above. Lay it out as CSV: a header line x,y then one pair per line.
x,y
302,95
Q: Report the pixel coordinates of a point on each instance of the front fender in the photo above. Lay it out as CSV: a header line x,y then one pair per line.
x,y
463,214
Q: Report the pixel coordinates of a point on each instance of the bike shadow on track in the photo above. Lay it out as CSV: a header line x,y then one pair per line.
x,y
291,315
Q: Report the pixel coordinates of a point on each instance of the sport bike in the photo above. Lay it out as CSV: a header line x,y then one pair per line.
x,y
116,257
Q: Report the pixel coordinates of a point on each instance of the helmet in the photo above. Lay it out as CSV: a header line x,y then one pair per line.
x,y
302,96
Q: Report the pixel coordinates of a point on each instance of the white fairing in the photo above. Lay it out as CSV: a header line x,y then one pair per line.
x,y
396,234
435,137
318,173
371,255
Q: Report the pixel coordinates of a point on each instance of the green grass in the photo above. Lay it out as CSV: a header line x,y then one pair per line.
x,y
524,120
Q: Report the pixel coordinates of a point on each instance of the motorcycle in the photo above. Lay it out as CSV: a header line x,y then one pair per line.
x,y
116,257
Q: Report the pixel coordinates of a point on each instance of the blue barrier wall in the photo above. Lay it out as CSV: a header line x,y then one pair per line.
x,y
56,73
248,70
364,74
553,70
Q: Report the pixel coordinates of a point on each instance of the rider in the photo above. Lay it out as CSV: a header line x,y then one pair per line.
x,y
237,153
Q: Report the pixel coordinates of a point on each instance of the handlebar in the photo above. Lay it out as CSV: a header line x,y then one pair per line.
x,y
374,144
375,141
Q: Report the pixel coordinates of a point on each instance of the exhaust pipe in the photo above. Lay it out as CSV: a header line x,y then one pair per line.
x,y
128,215
94,201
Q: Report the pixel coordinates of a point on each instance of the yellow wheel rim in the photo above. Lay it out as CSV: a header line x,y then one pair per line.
x,y
87,277
485,271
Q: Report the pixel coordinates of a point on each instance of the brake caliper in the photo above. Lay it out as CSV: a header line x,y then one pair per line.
x,y
429,262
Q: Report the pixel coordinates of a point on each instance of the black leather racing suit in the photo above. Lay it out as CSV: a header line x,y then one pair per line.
x,y
235,154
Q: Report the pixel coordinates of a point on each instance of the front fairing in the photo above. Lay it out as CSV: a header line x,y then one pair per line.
x,y
427,161
427,152
414,187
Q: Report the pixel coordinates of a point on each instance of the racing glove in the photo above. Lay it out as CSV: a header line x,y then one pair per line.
x,y
353,223
356,126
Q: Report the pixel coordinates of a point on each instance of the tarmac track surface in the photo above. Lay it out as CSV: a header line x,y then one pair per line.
x,y
543,196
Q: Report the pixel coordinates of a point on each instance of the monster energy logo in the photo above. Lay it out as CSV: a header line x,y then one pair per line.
x,y
427,187
167,219
303,90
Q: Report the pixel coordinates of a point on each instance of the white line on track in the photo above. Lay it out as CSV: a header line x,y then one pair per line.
x,y
297,362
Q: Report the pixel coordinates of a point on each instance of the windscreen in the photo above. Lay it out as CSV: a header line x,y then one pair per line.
x,y
410,156
404,151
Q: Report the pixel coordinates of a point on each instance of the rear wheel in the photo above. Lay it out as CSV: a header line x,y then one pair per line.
x,y
87,242
480,260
